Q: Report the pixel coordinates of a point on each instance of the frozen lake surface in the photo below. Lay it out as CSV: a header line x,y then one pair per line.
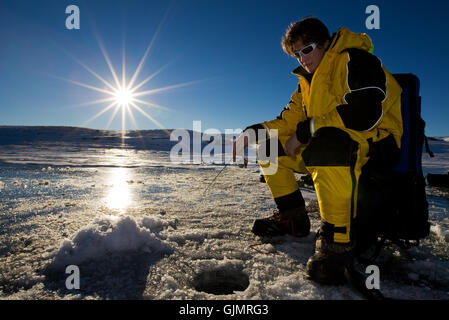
x,y
141,227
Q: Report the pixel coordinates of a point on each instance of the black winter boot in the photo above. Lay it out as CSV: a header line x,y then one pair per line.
x,y
292,221
327,265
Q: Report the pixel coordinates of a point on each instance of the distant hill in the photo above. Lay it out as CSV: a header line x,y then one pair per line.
x,y
51,136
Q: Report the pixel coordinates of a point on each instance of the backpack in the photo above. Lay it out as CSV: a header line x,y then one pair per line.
x,y
392,204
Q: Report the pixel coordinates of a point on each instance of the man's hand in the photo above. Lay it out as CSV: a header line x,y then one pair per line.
x,y
292,146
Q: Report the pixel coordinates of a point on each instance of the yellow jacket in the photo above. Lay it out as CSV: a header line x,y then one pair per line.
x,y
350,90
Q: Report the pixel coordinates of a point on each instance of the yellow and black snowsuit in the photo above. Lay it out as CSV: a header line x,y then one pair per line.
x,y
349,103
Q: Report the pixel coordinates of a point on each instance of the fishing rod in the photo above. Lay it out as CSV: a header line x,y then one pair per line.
x,y
244,165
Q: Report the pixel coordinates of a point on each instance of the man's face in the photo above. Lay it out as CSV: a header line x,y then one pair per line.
x,y
311,60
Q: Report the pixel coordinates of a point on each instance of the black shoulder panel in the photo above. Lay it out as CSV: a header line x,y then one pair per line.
x,y
365,70
367,85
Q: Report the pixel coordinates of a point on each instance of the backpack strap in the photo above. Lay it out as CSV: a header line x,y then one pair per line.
x,y
426,142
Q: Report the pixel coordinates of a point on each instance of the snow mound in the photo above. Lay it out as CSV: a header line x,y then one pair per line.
x,y
107,235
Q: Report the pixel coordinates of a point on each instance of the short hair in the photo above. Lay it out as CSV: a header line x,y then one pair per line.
x,y
308,30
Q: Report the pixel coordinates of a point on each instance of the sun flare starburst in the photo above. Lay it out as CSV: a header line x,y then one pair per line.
x,y
123,94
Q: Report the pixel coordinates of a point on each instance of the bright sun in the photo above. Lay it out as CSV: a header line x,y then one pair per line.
x,y
123,97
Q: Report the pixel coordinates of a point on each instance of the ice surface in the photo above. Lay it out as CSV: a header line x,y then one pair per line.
x,y
142,227
443,235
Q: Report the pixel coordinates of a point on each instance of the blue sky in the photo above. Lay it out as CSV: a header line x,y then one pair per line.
x,y
230,49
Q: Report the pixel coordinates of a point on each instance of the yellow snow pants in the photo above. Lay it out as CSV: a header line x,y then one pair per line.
x,y
334,158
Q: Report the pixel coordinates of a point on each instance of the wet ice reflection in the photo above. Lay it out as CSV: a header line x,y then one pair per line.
x,y
119,197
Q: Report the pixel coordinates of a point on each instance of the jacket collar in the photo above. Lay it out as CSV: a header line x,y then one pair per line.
x,y
300,71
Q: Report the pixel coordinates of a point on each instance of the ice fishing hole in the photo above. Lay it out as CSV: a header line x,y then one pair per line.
x,y
221,281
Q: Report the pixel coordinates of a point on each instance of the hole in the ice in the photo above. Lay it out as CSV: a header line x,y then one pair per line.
x,y
221,281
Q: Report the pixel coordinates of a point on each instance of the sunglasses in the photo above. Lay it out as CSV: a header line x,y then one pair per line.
x,y
305,51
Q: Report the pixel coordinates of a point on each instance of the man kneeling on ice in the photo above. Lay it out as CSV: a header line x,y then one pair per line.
x,y
346,101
